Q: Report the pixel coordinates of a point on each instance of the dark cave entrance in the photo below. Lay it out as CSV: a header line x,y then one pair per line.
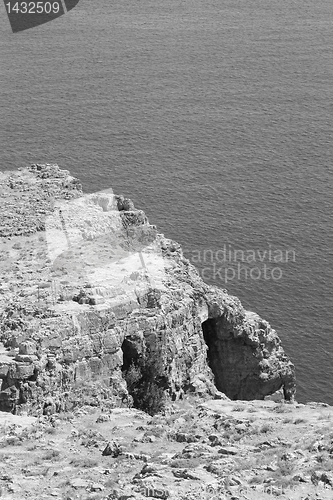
x,y
130,354
145,382
219,350
210,337
233,362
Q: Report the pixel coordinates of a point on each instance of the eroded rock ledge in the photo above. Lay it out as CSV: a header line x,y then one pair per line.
x,y
88,285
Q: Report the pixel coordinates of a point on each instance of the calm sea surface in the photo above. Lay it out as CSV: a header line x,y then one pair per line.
x,y
215,117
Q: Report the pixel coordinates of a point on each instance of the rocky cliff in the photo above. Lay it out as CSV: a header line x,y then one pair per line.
x,y
88,287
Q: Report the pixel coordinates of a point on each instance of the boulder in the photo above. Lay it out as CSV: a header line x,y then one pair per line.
x,y
111,450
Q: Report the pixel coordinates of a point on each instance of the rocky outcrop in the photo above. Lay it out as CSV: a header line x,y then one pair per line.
x,y
89,286
247,361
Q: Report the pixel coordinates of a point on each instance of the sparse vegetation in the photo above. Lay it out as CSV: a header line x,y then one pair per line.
x,y
299,421
272,461
144,387
286,466
85,463
266,428
239,408
282,408
52,455
185,463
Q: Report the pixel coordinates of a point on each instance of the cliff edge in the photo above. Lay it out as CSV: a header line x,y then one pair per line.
x,y
89,288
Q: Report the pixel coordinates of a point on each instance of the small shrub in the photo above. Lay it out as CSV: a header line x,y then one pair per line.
x,y
282,408
228,435
238,408
310,444
185,463
50,430
325,416
299,421
84,462
155,431
256,480
266,428
327,465
286,467
12,441
51,454
253,430
133,376
32,447
144,386
321,458
90,437
188,416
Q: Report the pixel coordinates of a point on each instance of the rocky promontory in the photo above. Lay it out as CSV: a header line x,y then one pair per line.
x,y
89,288
101,316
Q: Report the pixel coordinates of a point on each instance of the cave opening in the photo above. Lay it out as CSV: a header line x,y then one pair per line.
x,y
214,331
210,337
236,364
142,374
130,354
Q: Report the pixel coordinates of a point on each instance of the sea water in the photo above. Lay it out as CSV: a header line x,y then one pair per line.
x,y
215,117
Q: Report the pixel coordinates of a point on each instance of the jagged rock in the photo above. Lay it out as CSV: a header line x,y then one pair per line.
x,y
26,358
28,347
323,476
94,288
96,487
94,300
220,395
228,450
153,470
79,482
136,456
102,418
124,204
242,427
186,474
21,371
182,437
241,338
220,467
195,450
301,478
112,450
214,440
272,467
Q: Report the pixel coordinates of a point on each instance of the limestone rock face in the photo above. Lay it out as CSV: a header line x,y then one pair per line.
x,y
248,361
89,286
